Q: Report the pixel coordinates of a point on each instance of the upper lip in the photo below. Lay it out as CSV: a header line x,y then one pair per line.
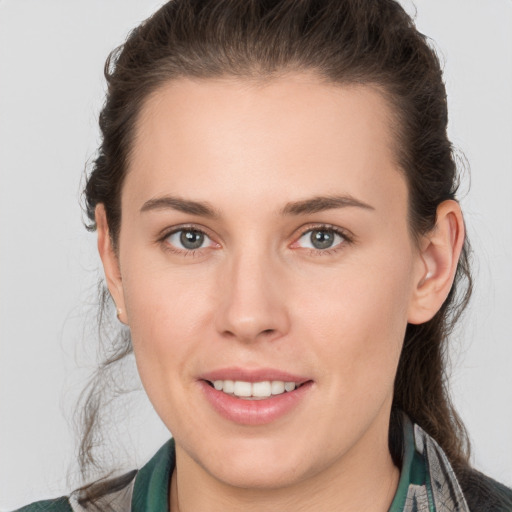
x,y
252,375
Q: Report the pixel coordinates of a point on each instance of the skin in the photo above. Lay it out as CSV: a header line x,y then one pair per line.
x,y
258,295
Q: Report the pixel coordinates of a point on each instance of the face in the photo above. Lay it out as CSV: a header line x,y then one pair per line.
x,y
264,244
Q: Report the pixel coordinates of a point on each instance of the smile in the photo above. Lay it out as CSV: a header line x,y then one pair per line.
x,y
254,390
255,401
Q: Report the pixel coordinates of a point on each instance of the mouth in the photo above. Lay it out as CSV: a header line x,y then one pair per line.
x,y
255,396
262,390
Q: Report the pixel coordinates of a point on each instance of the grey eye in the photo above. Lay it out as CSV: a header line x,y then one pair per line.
x,y
188,239
320,239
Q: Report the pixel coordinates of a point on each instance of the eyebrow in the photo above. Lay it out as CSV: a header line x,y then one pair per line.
x,y
321,203
203,209
304,207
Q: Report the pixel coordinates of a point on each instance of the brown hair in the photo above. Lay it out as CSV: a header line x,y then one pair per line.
x,y
344,42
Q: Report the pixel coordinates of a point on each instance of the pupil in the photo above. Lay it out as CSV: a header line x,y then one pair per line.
x,y
322,239
191,239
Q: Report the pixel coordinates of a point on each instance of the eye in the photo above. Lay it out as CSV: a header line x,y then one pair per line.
x,y
321,238
188,239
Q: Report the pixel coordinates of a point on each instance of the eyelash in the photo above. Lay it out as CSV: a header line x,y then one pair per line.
x,y
347,240
182,252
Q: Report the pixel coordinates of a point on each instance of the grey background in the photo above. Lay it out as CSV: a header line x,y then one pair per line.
x,y
51,89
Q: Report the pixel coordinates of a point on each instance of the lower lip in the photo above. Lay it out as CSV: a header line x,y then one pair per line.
x,y
254,412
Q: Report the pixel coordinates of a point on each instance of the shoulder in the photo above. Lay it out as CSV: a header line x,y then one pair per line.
x,y
137,489
463,489
55,505
104,494
483,494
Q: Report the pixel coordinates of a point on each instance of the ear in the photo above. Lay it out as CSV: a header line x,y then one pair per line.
x,y
110,262
438,258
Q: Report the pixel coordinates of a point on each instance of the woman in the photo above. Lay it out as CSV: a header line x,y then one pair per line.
x,y
275,204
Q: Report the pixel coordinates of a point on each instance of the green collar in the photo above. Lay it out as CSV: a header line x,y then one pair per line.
x,y
151,488
414,470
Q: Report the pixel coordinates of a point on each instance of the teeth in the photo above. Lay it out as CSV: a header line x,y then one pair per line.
x,y
256,390
277,387
289,386
242,388
261,389
228,386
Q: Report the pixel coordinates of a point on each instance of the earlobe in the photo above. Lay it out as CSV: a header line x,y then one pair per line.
x,y
110,262
439,255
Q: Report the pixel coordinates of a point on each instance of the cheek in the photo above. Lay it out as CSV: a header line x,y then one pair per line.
x,y
358,316
166,309
161,298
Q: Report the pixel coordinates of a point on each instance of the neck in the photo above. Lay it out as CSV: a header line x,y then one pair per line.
x,y
365,479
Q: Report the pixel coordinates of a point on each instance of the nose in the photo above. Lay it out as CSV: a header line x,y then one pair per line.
x,y
251,302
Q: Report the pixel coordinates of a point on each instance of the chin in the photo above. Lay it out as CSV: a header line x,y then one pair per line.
x,y
248,475
260,464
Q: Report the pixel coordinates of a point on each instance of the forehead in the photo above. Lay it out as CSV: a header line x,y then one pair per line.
x,y
294,135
